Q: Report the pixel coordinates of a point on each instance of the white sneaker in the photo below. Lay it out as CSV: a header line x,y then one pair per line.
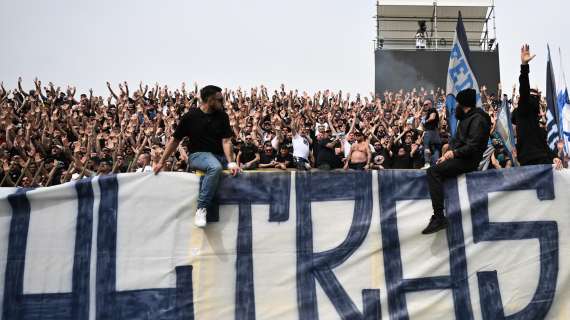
x,y
200,218
426,166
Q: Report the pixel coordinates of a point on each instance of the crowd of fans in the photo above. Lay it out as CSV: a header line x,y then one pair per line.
x,y
50,135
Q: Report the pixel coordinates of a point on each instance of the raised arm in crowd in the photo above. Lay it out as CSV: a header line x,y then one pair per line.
x,y
51,135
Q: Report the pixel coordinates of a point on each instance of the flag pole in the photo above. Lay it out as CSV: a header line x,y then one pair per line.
x,y
562,67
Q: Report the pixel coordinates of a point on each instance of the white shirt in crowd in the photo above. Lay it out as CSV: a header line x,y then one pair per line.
x,y
86,174
275,143
266,137
346,147
300,147
324,124
146,168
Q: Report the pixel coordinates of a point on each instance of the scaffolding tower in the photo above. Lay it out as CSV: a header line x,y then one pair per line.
x,y
398,22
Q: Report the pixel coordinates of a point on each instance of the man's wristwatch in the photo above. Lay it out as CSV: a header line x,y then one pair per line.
x,y
232,165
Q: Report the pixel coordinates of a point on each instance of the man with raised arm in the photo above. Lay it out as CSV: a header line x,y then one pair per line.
x,y
210,149
531,138
301,145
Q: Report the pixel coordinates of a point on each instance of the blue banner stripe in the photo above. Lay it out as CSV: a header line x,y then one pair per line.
x,y
107,248
14,277
82,258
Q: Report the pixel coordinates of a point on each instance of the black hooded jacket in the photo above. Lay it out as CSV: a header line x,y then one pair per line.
x,y
470,141
531,138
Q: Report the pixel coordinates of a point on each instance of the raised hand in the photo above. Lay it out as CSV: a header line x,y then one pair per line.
x,y
526,56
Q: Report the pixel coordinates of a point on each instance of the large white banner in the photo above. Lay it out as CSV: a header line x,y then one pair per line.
x,y
339,245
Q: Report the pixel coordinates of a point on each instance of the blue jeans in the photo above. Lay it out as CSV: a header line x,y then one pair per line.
x,y
432,143
212,166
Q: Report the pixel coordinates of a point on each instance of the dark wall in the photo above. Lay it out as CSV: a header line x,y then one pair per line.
x,y
400,69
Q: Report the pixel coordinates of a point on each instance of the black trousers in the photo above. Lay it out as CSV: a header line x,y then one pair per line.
x,y
437,174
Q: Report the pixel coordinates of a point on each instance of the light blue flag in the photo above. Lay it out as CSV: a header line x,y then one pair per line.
x,y
564,121
504,128
450,104
563,107
460,73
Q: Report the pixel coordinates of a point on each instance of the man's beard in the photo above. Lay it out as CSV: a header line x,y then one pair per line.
x,y
459,113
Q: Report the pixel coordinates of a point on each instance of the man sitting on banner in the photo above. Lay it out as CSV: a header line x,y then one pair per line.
x,y
531,138
210,147
465,153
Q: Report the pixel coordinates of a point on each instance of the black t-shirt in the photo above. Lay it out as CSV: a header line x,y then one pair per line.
x,y
281,159
418,159
56,180
264,158
401,162
107,158
247,153
325,155
385,153
14,175
204,130
431,125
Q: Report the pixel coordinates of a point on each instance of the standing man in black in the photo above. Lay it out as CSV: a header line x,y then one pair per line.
x,y
432,142
326,158
531,138
467,148
210,147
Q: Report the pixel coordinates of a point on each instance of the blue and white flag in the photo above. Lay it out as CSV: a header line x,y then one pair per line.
x,y
564,108
564,121
552,119
460,73
504,128
450,104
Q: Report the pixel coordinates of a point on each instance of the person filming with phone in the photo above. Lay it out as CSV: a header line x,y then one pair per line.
x,y
326,158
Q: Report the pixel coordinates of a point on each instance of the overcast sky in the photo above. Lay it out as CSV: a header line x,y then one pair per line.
x,y
310,45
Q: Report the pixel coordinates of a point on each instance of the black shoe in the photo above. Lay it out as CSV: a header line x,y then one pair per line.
x,y
436,223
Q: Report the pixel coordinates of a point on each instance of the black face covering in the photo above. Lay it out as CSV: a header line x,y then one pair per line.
x,y
459,113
